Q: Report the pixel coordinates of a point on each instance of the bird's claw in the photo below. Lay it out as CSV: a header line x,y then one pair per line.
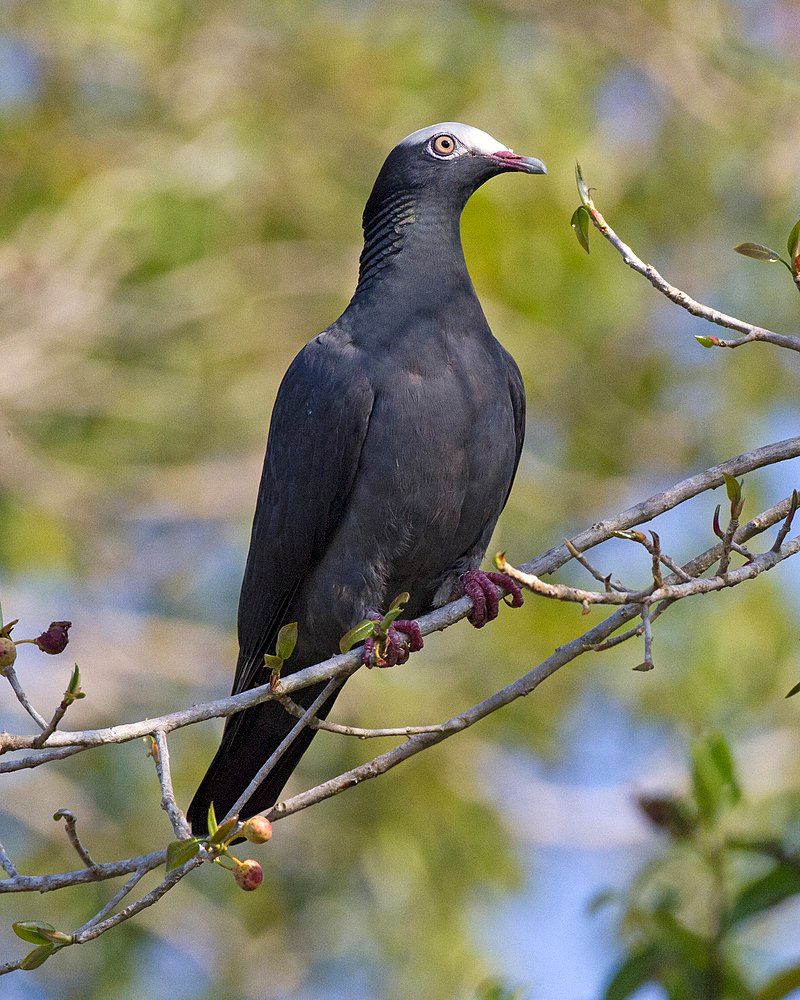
x,y
394,646
485,590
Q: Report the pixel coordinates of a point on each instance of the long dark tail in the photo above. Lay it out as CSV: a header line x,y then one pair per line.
x,y
247,742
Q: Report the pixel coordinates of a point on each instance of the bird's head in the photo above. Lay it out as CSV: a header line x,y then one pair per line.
x,y
449,162
422,187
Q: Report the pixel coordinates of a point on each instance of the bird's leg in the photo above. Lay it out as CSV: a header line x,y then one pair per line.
x,y
484,590
392,645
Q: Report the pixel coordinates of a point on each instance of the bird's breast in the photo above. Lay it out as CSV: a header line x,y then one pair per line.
x,y
436,466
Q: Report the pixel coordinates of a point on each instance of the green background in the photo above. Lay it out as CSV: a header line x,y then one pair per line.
x,y
180,194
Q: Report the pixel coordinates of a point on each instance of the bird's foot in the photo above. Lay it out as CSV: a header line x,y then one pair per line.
x,y
391,644
485,590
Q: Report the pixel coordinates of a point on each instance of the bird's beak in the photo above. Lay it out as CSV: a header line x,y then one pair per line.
x,y
508,160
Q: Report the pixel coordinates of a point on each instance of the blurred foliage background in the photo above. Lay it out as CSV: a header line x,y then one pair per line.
x,y
180,195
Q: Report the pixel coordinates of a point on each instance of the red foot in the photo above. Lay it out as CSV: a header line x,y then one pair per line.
x,y
484,590
402,638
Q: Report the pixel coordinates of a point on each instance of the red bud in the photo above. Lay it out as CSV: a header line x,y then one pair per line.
x,y
55,639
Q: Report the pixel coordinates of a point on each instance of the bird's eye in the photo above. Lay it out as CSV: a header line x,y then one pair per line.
x,y
443,145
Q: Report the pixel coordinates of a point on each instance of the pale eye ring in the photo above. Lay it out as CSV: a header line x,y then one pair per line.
x,y
443,145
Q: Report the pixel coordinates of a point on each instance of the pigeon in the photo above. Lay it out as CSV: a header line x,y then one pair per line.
x,y
394,441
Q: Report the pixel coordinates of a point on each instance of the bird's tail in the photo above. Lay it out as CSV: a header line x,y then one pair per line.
x,y
247,742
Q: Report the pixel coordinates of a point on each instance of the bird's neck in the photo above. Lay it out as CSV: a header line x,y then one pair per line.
x,y
407,240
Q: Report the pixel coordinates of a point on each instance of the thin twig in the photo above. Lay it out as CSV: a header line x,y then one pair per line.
x,y
22,698
52,725
750,331
342,664
363,734
604,578
787,524
37,759
101,872
168,803
652,595
647,630
70,828
266,768
702,562
172,879
7,863
118,896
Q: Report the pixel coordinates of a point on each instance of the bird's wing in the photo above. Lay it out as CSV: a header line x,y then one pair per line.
x,y
319,424
517,390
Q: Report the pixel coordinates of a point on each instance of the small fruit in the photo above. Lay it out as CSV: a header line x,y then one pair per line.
x,y
258,830
248,875
8,652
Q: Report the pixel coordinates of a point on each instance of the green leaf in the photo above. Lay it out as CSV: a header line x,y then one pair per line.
x,y
181,851
793,243
287,640
706,784
356,635
494,989
211,820
706,341
73,692
223,831
34,931
779,883
583,190
399,602
794,690
580,225
635,971
394,611
758,252
37,957
693,950
733,488
274,663
781,985
721,757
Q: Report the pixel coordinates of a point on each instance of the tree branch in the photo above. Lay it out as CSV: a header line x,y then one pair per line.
x,y
750,331
160,754
683,582
344,664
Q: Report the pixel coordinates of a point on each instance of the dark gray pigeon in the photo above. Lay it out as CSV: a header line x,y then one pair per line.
x,y
393,445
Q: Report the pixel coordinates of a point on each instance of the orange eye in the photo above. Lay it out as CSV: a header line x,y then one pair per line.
x,y
444,145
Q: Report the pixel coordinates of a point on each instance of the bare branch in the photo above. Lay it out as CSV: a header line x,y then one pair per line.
x,y
161,758
701,563
70,828
101,872
363,734
7,863
787,524
172,878
673,592
343,664
118,896
286,742
22,698
683,582
647,629
603,578
37,759
750,331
